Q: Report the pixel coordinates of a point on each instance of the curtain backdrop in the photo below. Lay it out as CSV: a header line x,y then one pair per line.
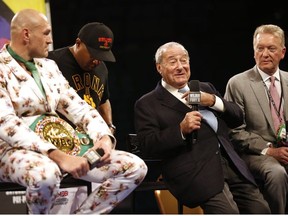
x,y
9,7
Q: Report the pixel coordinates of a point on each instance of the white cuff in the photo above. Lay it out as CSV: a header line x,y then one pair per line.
x,y
264,151
219,105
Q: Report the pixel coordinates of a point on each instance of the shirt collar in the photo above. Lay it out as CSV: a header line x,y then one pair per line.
x,y
169,88
266,77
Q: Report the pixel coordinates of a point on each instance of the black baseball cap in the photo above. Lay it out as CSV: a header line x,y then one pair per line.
x,y
98,39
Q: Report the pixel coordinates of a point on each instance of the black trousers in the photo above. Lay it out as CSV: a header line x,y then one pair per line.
x,y
238,195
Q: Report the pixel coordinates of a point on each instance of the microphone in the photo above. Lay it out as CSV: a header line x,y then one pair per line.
x,y
194,99
194,96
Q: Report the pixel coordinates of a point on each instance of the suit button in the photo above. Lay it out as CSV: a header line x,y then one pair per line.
x,y
217,152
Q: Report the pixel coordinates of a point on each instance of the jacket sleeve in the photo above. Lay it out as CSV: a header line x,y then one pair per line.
x,y
242,139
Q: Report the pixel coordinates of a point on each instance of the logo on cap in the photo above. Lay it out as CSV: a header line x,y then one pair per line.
x,y
106,42
98,39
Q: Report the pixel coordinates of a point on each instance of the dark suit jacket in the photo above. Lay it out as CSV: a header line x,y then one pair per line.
x,y
192,176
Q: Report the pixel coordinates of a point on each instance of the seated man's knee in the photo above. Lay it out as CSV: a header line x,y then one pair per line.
x,y
277,175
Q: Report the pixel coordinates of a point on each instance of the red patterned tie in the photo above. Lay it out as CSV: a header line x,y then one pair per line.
x,y
276,98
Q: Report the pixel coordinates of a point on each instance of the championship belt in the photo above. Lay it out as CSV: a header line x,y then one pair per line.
x,y
61,134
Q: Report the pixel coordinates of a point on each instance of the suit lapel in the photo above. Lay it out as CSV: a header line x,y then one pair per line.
x,y
22,75
261,96
169,100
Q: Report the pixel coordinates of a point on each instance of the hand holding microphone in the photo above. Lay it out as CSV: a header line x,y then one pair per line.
x,y
191,123
194,99
192,120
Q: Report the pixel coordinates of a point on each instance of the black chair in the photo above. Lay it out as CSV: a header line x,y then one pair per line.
x,y
153,180
67,182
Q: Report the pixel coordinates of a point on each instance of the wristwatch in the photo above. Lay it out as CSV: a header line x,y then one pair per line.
x,y
112,126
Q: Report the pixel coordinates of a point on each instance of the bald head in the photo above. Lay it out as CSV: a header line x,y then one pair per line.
x,y
30,34
27,18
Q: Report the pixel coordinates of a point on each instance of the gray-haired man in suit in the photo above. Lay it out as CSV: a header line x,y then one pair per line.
x,y
207,172
259,143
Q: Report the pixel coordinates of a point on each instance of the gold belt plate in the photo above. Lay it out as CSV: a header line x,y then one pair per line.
x,y
59,133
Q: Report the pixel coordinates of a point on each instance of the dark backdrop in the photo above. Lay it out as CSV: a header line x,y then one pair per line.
x,y
217,34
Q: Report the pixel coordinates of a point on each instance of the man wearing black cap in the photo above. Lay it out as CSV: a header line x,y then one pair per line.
x,y
38,149
83,66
